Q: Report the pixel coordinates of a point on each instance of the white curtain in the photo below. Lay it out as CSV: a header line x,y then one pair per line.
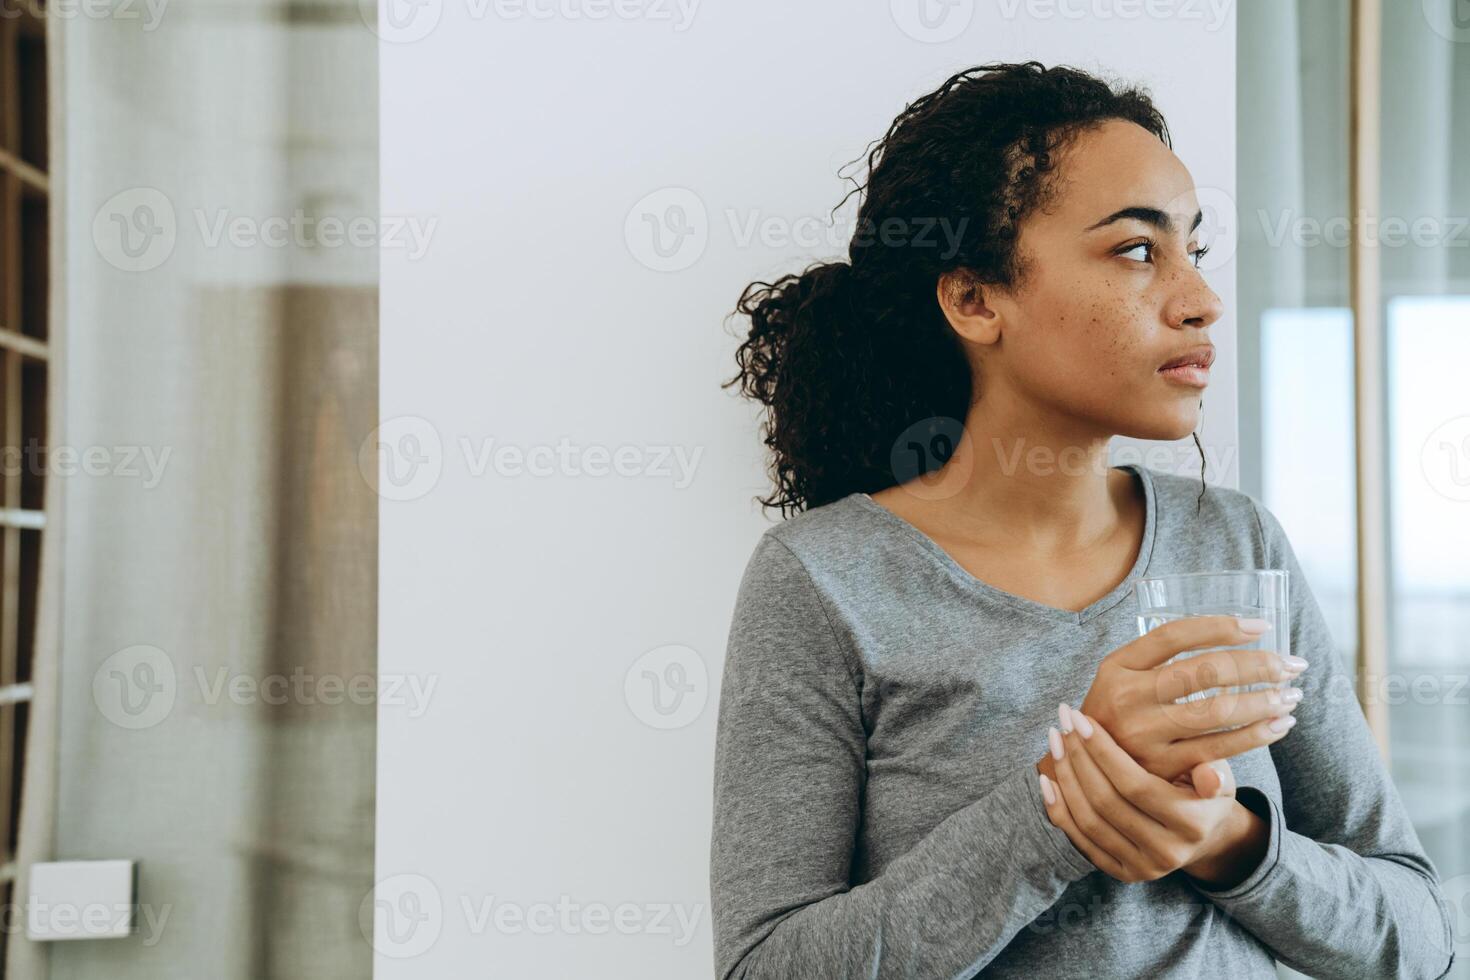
x,y
216,352
1293,87
1426,178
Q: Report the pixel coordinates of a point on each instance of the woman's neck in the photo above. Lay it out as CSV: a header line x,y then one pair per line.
x,y
1035,489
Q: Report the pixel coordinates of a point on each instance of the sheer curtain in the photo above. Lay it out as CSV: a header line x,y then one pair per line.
x,y
1426,288
1296,328
1293,288
209,602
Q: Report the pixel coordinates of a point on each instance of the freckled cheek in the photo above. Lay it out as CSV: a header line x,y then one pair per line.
x,y
1113,338
1092,323
1119,326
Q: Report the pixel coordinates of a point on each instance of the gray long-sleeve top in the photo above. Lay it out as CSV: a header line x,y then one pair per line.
x,y
876,807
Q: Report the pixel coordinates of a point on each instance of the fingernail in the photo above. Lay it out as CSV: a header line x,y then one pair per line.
x,y
1084,727
1291,695
1046,791
1056,743
1294,663
1280,725
1064,717
1254,626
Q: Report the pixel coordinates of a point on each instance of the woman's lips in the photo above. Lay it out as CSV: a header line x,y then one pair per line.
x,y
1188,374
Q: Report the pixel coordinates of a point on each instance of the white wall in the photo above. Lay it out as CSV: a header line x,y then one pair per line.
x,y
542,771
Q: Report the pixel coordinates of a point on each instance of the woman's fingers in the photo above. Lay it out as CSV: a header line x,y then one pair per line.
x,y
1147,792
1207,781
1061,816
1115,784
1227,710
1221,668
1086,807
1227,777
1170,639
1212,780
1226,745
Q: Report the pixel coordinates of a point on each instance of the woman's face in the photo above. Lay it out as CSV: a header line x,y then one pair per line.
x,y
1111,292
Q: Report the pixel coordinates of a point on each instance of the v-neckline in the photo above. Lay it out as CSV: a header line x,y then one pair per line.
x,y
1076,617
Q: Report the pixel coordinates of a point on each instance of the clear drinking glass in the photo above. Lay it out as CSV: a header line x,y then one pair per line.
x,y
1246,594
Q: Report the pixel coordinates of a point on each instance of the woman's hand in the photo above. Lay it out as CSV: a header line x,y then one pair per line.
x,y
1207,780
1135,691
1137,827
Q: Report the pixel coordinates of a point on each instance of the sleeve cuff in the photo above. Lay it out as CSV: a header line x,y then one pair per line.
x,y
1266,808
1072,861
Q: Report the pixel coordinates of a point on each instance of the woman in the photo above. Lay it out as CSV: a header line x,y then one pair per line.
x,y
890,797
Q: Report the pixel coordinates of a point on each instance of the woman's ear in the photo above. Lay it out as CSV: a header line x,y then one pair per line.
x,y
962,297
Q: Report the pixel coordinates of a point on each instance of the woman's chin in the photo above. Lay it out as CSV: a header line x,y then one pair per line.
x,y
1163,427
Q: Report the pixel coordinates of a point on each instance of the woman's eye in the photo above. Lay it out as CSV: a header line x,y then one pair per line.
x,y
1199,254
1147,247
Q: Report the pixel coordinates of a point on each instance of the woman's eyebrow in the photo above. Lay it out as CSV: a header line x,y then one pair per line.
x,y
1153,216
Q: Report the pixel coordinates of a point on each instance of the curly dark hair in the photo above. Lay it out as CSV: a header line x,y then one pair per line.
x,y
846,356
